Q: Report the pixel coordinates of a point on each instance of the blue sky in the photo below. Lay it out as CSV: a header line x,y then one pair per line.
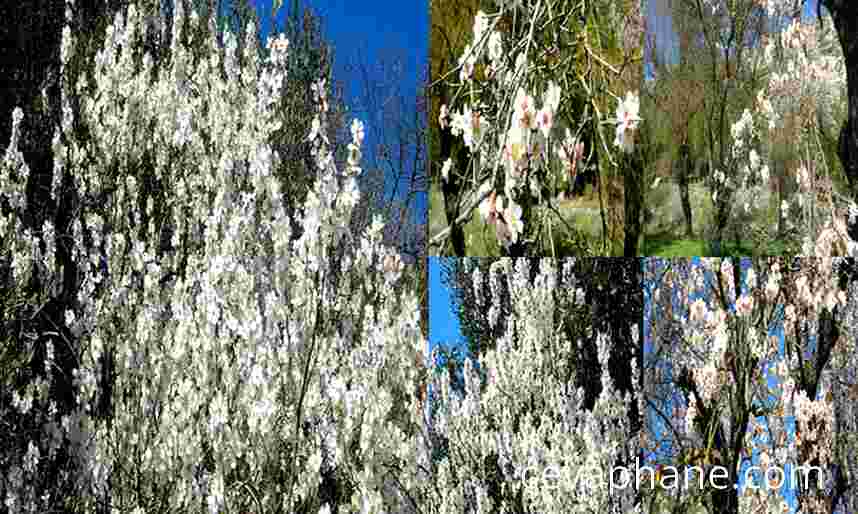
x,y
443,322
656,424
367,34
368,29
659,28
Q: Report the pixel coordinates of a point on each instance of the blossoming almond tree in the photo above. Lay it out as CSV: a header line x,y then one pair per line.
x,y
717,324
222,365
519,438
523,106
817,213
782,107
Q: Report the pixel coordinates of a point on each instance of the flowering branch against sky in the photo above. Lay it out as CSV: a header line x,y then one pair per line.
x,y
661,37
443,321
364,35
665,368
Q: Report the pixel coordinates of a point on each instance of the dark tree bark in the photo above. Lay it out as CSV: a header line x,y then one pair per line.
x,y
722,216
683,176
845,16
633,208
452,188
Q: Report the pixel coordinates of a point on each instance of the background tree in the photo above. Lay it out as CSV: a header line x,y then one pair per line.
x,y
678,94
589,65
593,296
732,75
572,348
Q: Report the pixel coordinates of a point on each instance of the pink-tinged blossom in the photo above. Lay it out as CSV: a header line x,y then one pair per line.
x,y
525,111
698,310
544,121
487,208
744,305
627,122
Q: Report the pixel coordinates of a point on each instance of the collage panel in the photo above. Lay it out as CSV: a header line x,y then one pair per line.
x,y
750,373
534,128
212,256
320,257
746,103
533,403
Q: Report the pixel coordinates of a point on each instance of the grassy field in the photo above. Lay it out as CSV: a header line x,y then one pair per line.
x,y
669,246
665,231
582,214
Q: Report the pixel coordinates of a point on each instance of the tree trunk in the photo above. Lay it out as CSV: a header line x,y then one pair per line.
x,y
780,179
845,16
633,200
722,215
451,190
686,208
684,196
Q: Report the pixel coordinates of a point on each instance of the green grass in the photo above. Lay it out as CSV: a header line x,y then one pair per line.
x,y
480,240
667,239
665,245
586,231
670,247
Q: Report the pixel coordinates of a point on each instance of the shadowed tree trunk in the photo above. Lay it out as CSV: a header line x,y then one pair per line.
x,y
781,183
451,188
722,216
633,203
845,16
684,172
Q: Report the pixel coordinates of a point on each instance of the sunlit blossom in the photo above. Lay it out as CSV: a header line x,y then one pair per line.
x,y
744,305
512,215
525,112
445,169
357,131
627,121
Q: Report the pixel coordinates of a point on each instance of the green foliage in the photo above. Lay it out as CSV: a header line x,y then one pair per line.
x,y
593,60
668,246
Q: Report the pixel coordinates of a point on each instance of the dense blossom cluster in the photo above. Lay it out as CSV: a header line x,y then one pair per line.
x,y
248,361
806,84
525,378
731,344
510,122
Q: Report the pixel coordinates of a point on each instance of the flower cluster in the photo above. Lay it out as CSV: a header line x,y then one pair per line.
x,y
627,122
508,122
527,379
241,352
505,219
